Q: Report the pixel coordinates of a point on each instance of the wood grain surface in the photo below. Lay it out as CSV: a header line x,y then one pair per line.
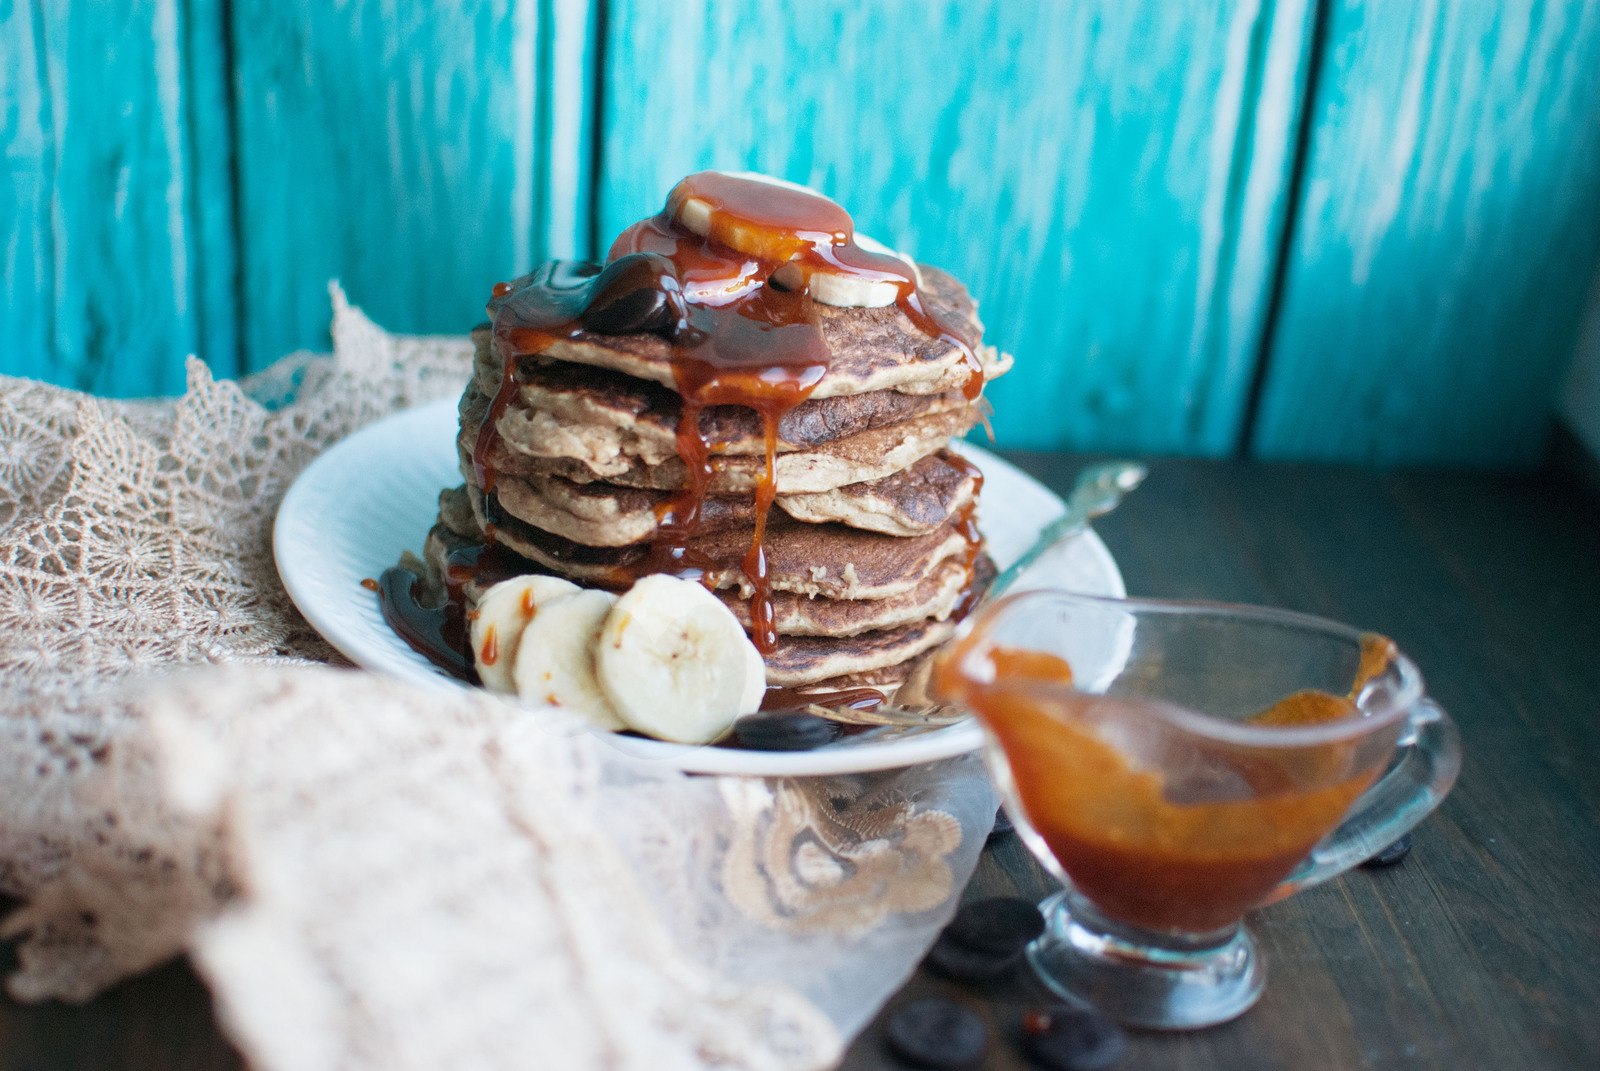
x,y
1481,950
391,146
1446,236
1109,180
105,201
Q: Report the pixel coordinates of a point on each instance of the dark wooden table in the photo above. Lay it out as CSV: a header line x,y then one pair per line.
x,y
1481,950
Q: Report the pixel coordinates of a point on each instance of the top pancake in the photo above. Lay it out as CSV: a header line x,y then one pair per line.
x,y
870,349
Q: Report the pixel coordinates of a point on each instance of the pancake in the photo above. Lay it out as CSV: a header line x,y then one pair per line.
x,y
933,599
886,681
808,659
828,560
870,349
935,596
883,659
594,415
868,455
913,501
455,513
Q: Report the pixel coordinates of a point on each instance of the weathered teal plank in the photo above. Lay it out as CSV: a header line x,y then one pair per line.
x,y
103,282
27,316
209,151
568,53
1449,230
1109,179
395,147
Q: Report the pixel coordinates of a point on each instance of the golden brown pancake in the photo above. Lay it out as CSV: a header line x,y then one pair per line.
x,y
868,455
933,599
808,659
828,560
591,414
913,501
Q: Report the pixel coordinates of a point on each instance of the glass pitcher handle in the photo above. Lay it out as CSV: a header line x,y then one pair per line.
x,y
1430,758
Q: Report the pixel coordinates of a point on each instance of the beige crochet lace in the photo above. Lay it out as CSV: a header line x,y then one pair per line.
x,y
364,876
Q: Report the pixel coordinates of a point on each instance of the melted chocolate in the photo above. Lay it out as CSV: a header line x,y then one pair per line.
x,y
439,633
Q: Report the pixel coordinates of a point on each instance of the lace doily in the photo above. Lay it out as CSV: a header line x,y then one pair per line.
x,y
367,876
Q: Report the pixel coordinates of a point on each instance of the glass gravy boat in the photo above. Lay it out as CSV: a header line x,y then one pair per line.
x,y
1178,764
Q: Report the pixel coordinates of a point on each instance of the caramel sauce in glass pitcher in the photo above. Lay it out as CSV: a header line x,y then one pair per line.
x,y
1140,855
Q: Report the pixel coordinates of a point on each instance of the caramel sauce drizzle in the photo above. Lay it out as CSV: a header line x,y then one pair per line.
x,y
967,524
743,328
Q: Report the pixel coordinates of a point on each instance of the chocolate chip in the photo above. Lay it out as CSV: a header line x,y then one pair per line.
x,y
963,964
1392,854
1000,926
937,1033
784,730
1066,1038
636,294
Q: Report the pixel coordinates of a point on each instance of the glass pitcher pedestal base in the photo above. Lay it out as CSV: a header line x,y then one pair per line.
x,y
1125,973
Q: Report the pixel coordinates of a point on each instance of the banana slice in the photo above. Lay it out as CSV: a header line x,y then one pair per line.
x,y
555,659
675,662
695,215
856,292
498,620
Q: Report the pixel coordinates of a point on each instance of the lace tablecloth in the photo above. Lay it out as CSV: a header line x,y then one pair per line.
x,y
367,876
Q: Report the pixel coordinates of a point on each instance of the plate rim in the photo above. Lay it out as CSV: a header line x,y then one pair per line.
x,y
940,744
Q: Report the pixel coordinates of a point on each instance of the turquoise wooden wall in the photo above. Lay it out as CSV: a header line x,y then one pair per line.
x,y
1294,229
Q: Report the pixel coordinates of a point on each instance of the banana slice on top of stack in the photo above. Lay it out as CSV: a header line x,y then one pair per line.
x,y
666,658
844,290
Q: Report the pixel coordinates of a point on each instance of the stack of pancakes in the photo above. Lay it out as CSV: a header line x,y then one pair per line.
x,y
870,544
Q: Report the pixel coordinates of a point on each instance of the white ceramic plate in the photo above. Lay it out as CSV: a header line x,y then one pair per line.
x,y
355,508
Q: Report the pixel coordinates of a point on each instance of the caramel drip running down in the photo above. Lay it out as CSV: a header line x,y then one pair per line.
x,y
527,320
967,524
743,328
